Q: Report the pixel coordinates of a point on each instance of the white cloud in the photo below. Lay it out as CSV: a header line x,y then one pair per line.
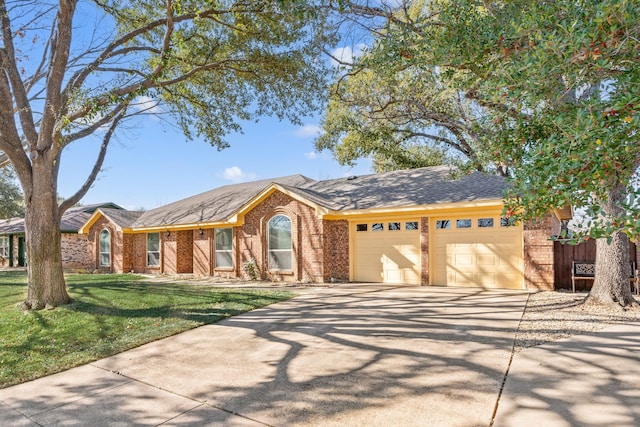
x,y
235,174
312,155
307,131
147,105
343,56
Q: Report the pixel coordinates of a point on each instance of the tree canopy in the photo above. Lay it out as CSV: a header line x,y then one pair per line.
x,y
558,84
80,68
403,111
11,199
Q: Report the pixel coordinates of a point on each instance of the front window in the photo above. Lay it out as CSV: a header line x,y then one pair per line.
x,y
4,246
280,243
153,249
105,248
224,247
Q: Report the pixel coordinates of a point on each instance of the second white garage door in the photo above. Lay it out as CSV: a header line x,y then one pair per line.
x,y
386,251
476,251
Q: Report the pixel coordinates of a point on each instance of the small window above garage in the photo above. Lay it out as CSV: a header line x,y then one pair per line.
x,y
463,223
485,222
411,225
443,224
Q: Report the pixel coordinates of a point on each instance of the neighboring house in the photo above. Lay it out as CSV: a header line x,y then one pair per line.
x,y
77,250
418,226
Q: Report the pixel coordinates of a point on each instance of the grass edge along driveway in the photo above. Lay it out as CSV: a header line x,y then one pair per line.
x,y
110,313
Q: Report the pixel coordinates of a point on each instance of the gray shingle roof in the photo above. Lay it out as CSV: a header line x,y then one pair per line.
x,y
122,218
423,186
77,216
71,220
405,188
11,225
211,206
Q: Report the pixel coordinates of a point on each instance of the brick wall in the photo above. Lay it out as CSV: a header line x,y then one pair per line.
x,y
538,253
127,253
76,251
202,252
424,251
307,262
169,253
138,257
184,250
336,250
117,250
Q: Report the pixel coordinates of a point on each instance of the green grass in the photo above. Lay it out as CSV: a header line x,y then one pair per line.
x,y
109,314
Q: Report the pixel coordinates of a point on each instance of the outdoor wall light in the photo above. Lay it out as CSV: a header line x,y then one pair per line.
x,y
201,232
168,233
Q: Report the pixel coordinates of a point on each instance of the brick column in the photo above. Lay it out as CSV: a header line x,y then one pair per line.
x,y
424,251
538,253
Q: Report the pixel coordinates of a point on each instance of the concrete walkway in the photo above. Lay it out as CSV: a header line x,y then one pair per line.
x,y
358,355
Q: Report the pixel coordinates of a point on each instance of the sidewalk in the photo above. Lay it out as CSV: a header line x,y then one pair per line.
x,y
583,380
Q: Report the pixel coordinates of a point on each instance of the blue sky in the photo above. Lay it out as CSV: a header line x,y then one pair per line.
x,y
152,164
149,163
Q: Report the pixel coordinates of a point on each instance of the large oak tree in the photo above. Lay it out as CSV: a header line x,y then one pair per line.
x,y
560,81
76,68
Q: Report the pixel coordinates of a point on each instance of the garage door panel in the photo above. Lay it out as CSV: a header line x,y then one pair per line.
x,y
489,257
391,256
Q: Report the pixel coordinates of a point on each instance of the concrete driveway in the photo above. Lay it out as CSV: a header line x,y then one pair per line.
x,y
357,355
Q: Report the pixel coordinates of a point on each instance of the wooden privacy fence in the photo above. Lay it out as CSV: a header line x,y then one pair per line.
x,y
564,255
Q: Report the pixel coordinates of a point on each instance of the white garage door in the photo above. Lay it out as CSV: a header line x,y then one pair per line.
x,y
476,251
386,251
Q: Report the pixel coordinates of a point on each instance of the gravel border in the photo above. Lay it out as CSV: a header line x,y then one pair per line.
x,y
549,316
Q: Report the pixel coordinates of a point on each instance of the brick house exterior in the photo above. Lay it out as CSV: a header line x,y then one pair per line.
x,y
78,250
322,223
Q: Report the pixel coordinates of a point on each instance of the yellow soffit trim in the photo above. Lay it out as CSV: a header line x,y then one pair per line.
x,y
564,213
428,210
92,220
321,211
182,227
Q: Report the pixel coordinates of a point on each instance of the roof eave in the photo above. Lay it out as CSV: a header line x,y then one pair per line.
x,y
440,208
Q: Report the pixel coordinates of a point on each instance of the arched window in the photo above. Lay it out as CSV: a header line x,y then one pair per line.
x,y
105,249
280,243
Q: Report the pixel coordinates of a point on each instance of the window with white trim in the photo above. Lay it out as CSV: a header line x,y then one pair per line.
x,y
105,248
4,246
280,256
224,247
153,249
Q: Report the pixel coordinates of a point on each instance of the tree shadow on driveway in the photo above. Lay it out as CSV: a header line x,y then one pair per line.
x,y
349,355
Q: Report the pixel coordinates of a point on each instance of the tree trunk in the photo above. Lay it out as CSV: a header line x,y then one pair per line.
x,y
611,285
46,287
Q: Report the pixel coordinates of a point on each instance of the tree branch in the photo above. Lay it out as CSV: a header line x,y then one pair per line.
x,y
17,88
96,167
60,46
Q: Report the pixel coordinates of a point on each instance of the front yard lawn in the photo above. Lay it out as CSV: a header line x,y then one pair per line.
x,y
109,314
